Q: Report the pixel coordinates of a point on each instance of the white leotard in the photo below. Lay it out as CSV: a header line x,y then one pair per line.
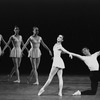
x,y
57,60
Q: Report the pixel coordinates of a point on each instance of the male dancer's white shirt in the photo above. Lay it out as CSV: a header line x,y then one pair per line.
x,y
91,61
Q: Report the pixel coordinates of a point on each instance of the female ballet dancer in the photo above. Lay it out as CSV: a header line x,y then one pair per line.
x,y
57,66
2,40
35,53
15,53
91,61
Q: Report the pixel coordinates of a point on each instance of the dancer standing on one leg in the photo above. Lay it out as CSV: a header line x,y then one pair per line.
x,y
93,65
16,53
57,66
35,53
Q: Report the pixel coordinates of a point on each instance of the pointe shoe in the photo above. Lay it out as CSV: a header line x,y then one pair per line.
x,y
77,93
40,92
60,94
37,83
17,81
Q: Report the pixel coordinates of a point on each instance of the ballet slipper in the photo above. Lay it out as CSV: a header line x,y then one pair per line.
x,y
40,92
77,93
60,94
17,81
37,83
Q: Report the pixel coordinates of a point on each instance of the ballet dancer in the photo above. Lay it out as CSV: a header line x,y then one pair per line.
x,y
57,66
35,53
15,53
91,61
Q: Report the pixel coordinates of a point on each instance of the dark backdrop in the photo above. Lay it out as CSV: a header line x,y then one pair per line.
x,y
77,20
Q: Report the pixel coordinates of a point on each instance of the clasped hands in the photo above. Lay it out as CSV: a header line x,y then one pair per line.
x,y
70,55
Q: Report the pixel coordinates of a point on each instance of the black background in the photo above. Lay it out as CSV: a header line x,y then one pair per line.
x,y
77,20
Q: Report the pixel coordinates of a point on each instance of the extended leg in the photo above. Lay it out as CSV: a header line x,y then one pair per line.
x,y
51,75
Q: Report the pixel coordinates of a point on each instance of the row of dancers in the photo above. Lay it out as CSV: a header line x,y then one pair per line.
x,y
57,66
16,52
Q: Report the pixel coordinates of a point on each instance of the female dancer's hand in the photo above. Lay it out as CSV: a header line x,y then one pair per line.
x,y
2,52
70,55
22,54
52,58
50,52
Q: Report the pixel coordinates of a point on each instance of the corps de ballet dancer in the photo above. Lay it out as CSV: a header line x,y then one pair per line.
x,y
15,53
34,53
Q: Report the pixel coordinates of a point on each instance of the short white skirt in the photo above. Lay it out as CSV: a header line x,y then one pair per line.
x,y
58,62
34,53
16,52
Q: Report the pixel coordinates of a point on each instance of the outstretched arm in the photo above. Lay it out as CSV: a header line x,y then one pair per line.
x,y
25,45
3,40
98,53
66,51
77,55
7,44
45,46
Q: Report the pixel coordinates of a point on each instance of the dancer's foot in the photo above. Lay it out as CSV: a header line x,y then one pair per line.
x,y
37,83
77,93
60,94
40,92
17,81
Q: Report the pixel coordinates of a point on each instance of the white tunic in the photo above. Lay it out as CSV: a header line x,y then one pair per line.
x,y
57,60
91,62
16,51
35,52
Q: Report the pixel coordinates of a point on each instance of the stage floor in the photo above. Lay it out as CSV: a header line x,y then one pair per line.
x,y
23,91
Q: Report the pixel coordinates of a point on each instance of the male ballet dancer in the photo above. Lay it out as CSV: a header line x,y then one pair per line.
x,y
91,61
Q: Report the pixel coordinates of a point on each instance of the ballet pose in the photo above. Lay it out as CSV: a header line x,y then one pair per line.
x,y
57,66
91,61
35,53
15,53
